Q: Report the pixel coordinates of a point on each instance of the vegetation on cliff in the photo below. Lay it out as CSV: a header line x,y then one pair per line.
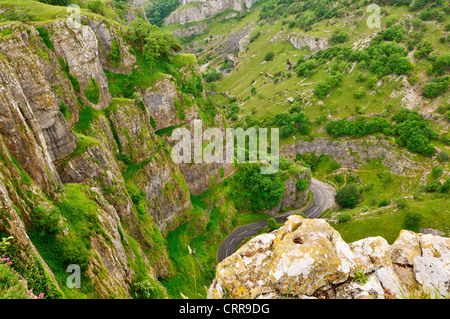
x,y
85,163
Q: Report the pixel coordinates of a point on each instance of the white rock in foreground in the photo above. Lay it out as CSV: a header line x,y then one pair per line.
x,y
307,258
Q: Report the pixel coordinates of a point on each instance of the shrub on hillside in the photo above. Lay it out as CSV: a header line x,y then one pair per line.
x,y
338,37
255,191
348,196
152,42
43,33
93,91
57,2
269,56
97,6
302,185
412,221
344,218
436,87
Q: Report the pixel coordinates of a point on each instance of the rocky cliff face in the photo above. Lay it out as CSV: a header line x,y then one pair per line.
x,y
60,151
351,153
308,259
192,10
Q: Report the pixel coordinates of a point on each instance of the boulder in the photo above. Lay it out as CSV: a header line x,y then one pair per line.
x,y
307,258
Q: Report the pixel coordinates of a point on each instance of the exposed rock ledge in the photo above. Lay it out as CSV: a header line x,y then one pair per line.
x,y
198,10
307,258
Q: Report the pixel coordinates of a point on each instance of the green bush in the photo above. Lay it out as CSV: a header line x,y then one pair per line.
x,y
360,127
348,196
412,221
444,188
360,93
213,76
384,203
302,185
322,89
360,276
338,37
66,70
43,33
306,68
46,222
409,127
93,91
114,54
273,225
152,42
437,171
86,116
339,179
441,64
97,6
344,218
75,83
269,56
65,111
10,285
57,2
255,191
443,156
310,160
436,87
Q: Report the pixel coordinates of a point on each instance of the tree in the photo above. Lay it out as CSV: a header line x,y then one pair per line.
x,y
322,89
96,6
272,224
412,221
443,156
348,196
269,56
157,10
257,191
154,43
436,87
302,185
437,171
57,2
338,37
441,63
212,76
359,94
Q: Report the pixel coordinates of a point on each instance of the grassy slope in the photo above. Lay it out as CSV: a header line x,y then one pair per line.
x,y
42,12
272,98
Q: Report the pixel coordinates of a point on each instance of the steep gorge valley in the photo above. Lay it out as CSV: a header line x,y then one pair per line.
x,y
87,177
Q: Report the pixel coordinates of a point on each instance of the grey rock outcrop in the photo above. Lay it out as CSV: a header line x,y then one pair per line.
x,y
40,154
308,258
301,40
192,10
353,153
160,101
80,48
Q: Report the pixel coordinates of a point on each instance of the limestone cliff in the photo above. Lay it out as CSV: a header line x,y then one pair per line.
x,y
86,180
309,259
194,10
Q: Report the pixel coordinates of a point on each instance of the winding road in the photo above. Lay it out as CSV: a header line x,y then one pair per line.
x,y
323,199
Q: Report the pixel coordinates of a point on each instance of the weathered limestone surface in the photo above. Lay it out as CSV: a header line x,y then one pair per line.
x,y
308,258
193,10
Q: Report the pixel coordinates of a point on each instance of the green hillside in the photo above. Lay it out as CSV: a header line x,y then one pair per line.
x,y
288,64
